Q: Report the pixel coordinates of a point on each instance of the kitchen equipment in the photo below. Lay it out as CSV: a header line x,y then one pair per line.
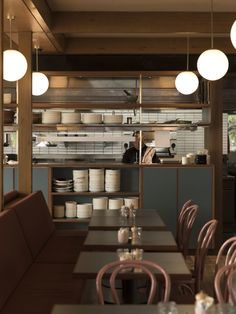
x,y
201,159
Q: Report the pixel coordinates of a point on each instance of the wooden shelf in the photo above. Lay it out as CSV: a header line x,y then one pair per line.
x,y
79,220
96,193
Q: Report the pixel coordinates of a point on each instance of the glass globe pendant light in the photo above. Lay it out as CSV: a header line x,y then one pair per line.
x,y
212,64
233,34
40,81
187,82
14,62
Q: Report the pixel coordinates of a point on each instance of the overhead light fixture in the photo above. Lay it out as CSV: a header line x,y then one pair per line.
x,y
14,62
212,64
40,81
187,82
233,34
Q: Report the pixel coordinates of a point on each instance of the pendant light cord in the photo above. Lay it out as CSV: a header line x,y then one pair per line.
x,y
187,53
212,41
37,58
10,21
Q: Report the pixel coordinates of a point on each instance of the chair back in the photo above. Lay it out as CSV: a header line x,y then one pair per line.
x,y
185,221
119,267
205,237
224,284
226,253
186,205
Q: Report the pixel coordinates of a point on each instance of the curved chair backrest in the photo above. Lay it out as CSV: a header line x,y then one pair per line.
x,y
224,284
226,253
118,266
204,239
186,221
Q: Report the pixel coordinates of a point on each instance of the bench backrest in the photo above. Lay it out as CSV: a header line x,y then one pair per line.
x,y
15,256
36,222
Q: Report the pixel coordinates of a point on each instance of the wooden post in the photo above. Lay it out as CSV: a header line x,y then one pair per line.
x,y
25,117
213,140
1,105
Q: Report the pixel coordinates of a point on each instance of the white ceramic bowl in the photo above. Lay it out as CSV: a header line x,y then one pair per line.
x,y
92,118
131,200
113,119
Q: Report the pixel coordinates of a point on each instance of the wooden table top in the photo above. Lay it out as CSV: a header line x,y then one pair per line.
x,y
159,241
112,221
139,212
120,309
89,263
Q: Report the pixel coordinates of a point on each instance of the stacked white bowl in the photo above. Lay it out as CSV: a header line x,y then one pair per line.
x,y
131,201
70,117
59,211
113,119
70,209
51,117
115,203
96,180
112,180
84,210
100,203
94,118
80,179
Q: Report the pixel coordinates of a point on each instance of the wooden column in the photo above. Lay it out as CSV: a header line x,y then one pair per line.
x,y
1,105
25,117
213,140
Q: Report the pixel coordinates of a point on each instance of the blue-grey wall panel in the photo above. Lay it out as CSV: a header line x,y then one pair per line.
x,y
160,192
40,181
8,179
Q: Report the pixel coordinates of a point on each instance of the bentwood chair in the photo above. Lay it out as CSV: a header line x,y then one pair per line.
x,y
205,237
224,284
126,269
180,213
186,220
226,254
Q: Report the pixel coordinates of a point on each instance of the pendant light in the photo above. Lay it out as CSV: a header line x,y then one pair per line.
x,y
233,34
14,62
40,81
212,64
187,82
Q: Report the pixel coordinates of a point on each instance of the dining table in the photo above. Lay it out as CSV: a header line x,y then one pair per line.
x,y
136,309
157,241
112,220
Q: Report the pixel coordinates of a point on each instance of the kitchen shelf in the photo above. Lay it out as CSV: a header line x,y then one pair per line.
x,y
97,193
10,127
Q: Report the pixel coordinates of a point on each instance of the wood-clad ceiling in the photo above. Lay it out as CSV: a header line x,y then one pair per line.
x,y
121,27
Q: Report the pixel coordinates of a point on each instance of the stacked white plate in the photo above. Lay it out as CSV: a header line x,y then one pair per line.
x,y
112,180
70,117
131,201
113,119
70,209
100,203
93,118
51,117
80,179
96,180
59,211
115,203
84,210
62,185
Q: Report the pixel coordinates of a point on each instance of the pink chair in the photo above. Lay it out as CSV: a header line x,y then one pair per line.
x,y
186,220
117,267
224,284
180,213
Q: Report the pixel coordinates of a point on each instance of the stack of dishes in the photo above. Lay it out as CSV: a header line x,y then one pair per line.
x,y
70,117
115,203
100,203
70,209
92,118
59,211
51,117
62,185
84,210
80,179
96,180
113,119
132,201
112,180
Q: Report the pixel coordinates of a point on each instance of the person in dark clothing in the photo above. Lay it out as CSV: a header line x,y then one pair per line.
x,y
132,154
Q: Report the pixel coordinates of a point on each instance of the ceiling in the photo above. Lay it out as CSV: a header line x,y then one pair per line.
x,y
121,27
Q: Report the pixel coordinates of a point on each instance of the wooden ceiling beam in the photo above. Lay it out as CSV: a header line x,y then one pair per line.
x,y
144,45
89,23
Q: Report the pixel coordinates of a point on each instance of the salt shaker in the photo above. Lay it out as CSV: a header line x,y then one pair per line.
x,y
123,235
